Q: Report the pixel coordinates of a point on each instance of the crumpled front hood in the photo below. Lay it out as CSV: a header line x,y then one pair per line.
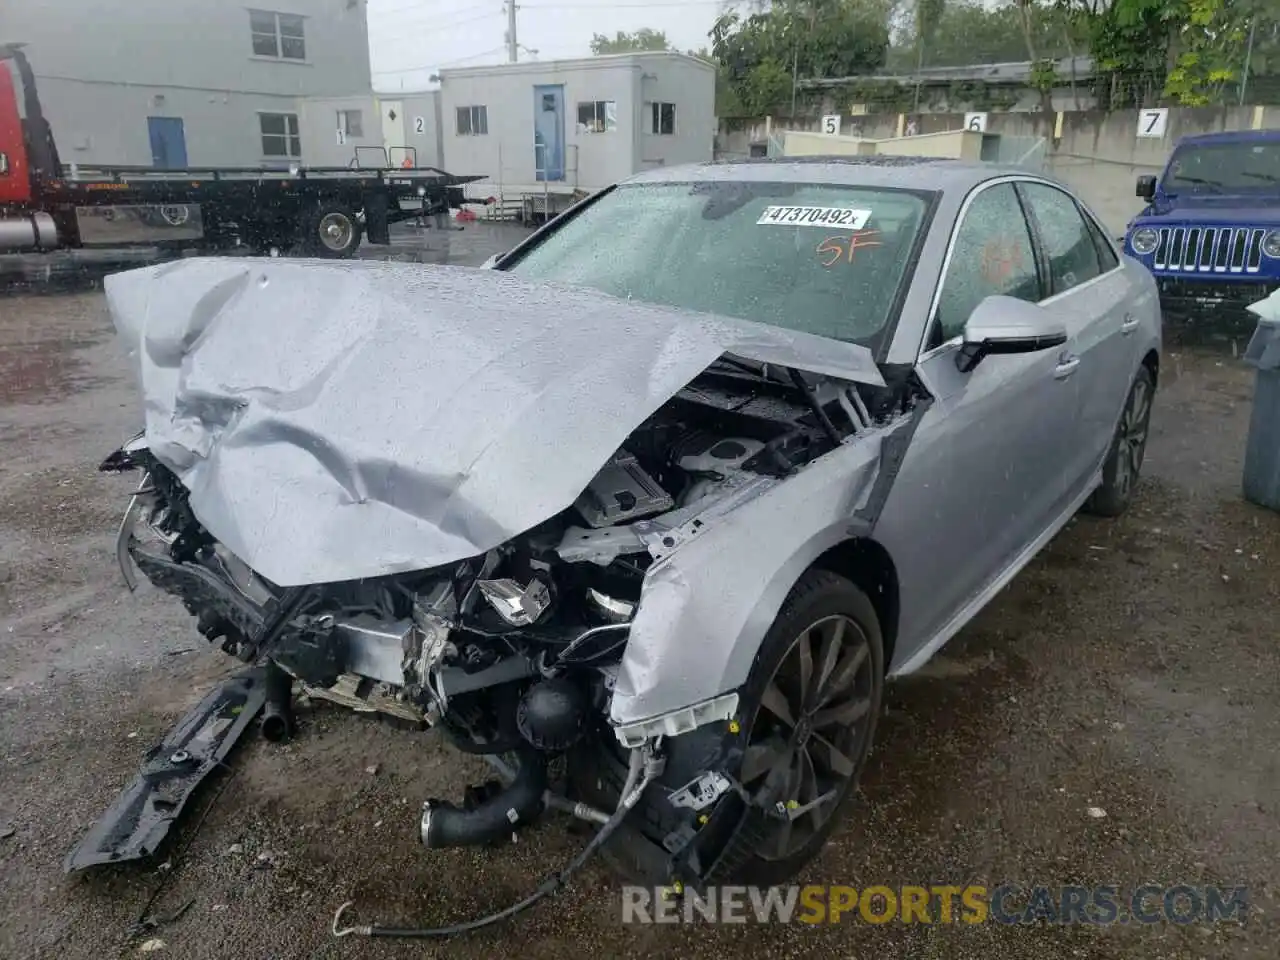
x,y
338,420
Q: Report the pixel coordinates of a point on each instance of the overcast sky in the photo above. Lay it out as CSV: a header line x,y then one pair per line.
x,y
409,39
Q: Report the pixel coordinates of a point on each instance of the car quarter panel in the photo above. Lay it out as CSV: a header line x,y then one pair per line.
x,y
706,607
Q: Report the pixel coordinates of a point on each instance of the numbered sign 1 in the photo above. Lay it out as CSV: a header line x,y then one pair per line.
x,y
977,122
831,124
419,125
1153,123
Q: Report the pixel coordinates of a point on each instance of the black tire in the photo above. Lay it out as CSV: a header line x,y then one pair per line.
x,y
1123,466
635,852
330,230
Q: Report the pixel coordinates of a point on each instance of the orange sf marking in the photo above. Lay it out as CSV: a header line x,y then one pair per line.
x,y
841,247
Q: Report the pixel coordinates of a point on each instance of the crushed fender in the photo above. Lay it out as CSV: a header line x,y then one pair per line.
x,y
134,826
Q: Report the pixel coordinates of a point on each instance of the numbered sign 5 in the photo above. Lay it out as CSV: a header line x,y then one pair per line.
x,y
1153,123
419,125
977,122
831,124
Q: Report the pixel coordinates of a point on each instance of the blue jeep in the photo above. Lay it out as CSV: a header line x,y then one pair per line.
x,y
1211,230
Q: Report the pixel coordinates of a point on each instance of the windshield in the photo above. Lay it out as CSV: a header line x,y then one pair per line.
x,y
1223,167
824,259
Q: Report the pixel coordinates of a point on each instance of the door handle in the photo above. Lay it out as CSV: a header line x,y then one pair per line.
x,y
1129,325
1067,364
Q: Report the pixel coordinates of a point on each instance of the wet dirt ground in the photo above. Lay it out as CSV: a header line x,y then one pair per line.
x,y
1131,668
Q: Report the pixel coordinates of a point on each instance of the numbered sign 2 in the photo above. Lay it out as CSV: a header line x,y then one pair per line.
x,y
831,124
419,125
977,122
1153,123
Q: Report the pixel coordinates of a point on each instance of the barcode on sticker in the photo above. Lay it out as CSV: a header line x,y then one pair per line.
x,y
842,217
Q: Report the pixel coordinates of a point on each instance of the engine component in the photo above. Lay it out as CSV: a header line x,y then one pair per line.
x,y
376,647
552,714
519,606
712,461
313,650
608,609
719,455
445,825
621,491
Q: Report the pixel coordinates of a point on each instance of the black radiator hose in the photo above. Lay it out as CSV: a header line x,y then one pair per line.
x,y
444,825
277,715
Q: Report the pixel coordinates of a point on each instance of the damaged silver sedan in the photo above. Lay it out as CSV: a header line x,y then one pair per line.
x,y
665,494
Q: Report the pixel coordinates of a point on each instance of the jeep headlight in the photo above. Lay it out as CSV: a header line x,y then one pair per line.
x,y
1144,240
1271,244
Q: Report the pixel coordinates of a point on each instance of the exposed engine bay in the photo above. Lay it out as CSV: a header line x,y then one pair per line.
x,y
513,651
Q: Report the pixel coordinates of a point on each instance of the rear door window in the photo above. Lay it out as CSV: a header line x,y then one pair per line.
x,y
1069,247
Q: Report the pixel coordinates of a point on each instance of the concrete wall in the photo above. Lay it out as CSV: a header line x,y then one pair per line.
x,y
104,66
1099,154
592,159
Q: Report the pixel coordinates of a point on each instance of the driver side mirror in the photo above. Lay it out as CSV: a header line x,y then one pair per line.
x,y
1146,187
1002,324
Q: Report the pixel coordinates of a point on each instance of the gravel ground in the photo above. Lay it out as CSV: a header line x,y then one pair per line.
x,y
1131,668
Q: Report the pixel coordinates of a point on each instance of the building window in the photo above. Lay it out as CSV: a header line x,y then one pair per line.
x,y
597,116
473,121
662,118
351,123
280,135
278,35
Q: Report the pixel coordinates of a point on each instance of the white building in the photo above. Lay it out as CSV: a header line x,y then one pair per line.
x,y
548,130
200,82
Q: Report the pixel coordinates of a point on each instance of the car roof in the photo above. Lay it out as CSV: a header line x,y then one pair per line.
x,y
912,173
1232,136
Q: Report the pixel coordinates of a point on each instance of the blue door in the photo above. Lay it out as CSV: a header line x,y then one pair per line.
x,y
168,142
548,132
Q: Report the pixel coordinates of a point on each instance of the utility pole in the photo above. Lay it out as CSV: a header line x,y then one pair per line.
x,y
513,48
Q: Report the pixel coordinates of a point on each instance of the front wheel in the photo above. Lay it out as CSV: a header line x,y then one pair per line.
x,y
330,230
1123,465
808,711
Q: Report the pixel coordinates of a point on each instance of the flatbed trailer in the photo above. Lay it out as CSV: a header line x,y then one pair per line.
x,y
319,211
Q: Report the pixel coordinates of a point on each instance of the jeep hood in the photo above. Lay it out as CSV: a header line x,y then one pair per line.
x,y
1212,210
339,420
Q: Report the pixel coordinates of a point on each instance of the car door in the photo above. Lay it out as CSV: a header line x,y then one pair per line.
x,y
1090,294
985,473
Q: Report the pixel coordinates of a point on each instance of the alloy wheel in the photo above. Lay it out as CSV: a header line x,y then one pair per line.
x,y
1132,440
810,729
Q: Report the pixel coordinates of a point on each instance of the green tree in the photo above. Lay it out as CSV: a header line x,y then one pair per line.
x,y
622,42
762,55
1209,51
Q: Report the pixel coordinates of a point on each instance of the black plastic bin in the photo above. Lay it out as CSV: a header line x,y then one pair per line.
x,y
1262,450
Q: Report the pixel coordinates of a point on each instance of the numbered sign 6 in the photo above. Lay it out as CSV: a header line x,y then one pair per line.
x,y
1153,123
977,122
831,124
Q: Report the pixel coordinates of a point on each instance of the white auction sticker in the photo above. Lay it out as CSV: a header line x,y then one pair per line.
x,y
842,217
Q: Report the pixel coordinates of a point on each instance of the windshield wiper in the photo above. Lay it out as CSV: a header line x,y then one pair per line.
x,y
1200,180
1269,177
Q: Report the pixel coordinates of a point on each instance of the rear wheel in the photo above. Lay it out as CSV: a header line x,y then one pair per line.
x,y
1123,465
808,711
330,230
